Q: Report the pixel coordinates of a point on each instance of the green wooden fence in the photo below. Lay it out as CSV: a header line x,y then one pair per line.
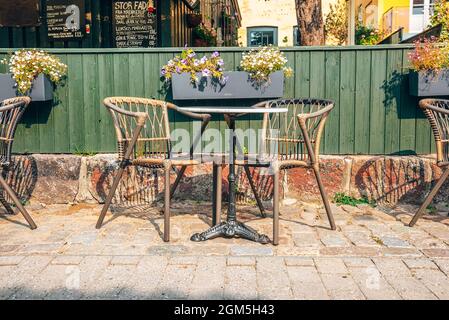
x,y
373,115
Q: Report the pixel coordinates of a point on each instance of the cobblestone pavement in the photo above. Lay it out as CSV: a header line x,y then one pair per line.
x,y
372,255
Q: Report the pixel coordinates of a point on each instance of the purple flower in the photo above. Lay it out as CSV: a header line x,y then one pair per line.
x,y
220,62
178,70
203,59
184,61
163,72
215,54
206,73
223,80
192,55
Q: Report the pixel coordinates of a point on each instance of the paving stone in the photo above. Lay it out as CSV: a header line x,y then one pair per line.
x,y
330,265
409,288
146,280
332,239
341,287
350,251
389,266
176,282
22,274
113,280
362,239
10,260
272,279
394,242
183,261
420,263
240,283
209,279
443,265
436,253
306,283
251,250
372,284
435,281
241,261
358,262
67,260
309,239
299,262
125,260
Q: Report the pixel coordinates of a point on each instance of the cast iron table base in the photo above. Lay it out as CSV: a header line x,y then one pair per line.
x,y
231,229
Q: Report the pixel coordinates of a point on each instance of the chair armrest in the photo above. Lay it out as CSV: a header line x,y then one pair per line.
x,y
196,116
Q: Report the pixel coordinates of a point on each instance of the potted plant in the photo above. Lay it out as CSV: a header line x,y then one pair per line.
x,y
429,74
261,75
203,37
32,73
194,19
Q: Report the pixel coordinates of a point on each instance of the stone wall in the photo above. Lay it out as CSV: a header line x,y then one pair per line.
x,y
67,178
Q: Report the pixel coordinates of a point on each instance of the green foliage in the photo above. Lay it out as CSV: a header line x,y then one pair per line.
x,y
365,35
343,199
84,153
336,24
441,16
200,32
429,55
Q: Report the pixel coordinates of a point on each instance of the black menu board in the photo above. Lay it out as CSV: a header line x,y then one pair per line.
x,y
66,19
191,3
19,13
133,24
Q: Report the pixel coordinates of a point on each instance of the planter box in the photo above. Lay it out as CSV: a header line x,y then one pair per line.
x,y
428,84
42,89
238,86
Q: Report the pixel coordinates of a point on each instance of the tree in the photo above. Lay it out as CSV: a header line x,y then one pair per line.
x,y
336,26
441,16
310,22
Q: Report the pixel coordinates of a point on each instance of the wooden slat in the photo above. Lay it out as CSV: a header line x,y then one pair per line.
x,y
377,108
331,138
362,102
347,102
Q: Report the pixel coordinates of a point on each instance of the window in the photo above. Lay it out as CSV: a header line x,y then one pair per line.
x,y
296,36
262,36
418,7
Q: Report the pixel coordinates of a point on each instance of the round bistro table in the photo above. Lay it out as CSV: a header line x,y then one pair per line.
x,y
232,228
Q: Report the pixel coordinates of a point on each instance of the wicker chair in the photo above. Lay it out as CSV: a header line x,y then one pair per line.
x,y
11,110
437,112
291,140
143,136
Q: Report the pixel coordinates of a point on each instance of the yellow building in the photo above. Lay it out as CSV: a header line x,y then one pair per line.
x,y
390,15
270,22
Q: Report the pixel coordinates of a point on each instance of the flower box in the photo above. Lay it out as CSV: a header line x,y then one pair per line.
x,y
238,86
428,83
42,89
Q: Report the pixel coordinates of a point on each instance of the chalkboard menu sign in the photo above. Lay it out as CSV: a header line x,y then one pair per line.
x,y
19,13
134,24
66,19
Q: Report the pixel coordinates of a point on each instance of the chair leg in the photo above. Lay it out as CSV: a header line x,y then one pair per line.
x,y
5,204
276,208
429,198
327,206
256,194
16,201
218,186
177,181
167,169
108,202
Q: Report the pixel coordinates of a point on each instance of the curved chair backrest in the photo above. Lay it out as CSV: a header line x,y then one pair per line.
x,y
154,138
437,112
11,110
290,132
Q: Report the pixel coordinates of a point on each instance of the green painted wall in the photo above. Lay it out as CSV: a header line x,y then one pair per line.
x,y
373,115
